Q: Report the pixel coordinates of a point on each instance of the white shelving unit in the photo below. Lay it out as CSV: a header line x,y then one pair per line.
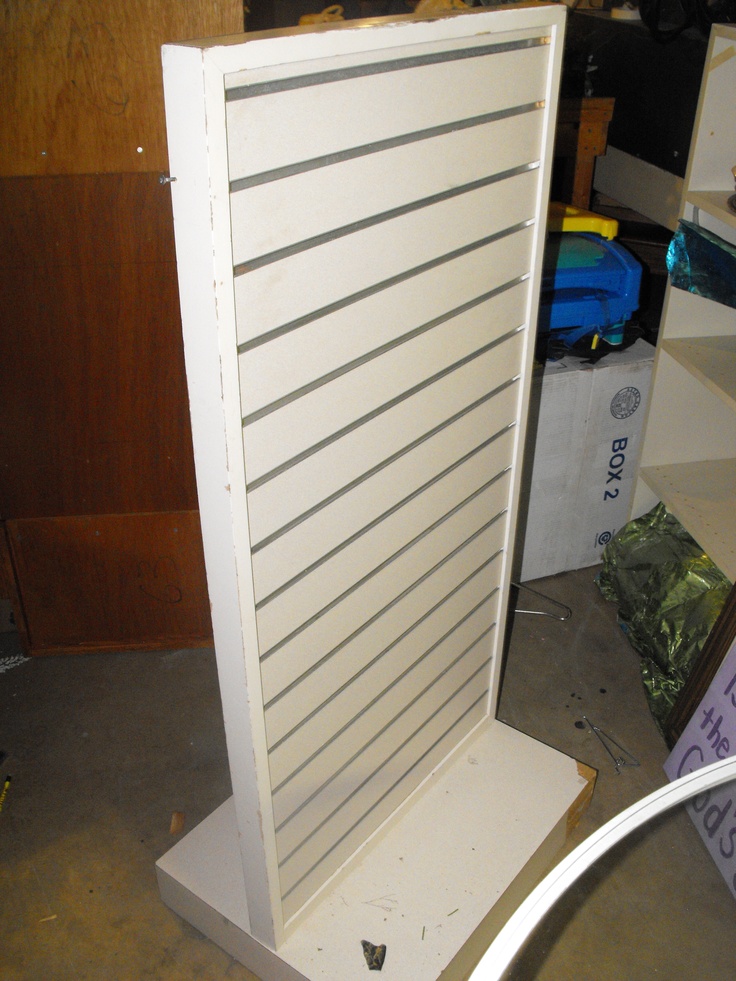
x,y
688,457
360,216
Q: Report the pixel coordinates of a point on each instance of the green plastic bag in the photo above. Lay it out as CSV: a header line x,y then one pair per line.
x,y
669,595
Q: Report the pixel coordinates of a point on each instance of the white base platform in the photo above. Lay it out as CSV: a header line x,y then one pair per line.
x,y
435,887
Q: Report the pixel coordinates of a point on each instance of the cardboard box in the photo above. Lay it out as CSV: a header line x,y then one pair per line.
x,y
582,452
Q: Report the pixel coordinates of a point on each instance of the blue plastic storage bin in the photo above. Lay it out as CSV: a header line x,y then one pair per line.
x,y
590,286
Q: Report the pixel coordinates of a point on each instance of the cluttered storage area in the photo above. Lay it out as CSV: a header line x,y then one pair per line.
x,y
360,414
460,361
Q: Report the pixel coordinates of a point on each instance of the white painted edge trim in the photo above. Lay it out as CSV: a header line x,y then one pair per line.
x,y
511,938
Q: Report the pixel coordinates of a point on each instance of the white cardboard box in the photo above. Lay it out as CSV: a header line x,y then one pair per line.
x,y
582,458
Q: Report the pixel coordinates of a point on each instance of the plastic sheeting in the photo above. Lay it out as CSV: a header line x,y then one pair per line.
x,y
700,262
669,595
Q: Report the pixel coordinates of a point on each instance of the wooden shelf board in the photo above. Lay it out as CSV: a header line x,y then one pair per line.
x,y
712,360
714,203
702,495
451,868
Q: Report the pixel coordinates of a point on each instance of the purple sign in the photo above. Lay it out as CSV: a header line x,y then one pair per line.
x,y
710,735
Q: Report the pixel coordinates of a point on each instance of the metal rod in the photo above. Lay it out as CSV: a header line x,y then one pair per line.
x,y
544,613
605,740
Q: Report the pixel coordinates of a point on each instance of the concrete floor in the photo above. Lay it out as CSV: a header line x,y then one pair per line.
x,y
103,749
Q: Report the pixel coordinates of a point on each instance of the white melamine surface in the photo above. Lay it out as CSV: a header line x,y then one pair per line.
x,y
712,360
422,888
701,495
359,216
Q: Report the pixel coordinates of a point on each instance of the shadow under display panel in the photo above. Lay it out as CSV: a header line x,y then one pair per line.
x,y
357,219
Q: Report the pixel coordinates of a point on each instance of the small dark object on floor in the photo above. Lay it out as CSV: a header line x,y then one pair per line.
x,y
607,741
4,794
374,955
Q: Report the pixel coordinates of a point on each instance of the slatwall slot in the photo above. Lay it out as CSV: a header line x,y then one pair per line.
x,y
314,602
321,477
351,516
263,75
454,666
353,568
316,351
293,430
454,663
360,111
306,422
380,530
357,714
505,363
279,215
368,488
326,652
383,791
291,715
306,737
282,294
431,611
304,740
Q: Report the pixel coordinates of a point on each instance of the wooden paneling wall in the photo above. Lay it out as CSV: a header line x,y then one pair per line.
x,y
107,582
97,487
81,80
94,406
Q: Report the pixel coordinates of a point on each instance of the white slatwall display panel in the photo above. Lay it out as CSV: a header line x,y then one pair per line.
x,y
381,263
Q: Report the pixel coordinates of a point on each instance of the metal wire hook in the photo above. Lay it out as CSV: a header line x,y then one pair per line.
x,y
544,613
605,740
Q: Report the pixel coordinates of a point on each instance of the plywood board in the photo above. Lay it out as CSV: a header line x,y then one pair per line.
x,y
81,81
93,405
111,582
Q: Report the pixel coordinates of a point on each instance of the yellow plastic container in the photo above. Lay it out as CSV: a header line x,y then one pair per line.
x,y
565,218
